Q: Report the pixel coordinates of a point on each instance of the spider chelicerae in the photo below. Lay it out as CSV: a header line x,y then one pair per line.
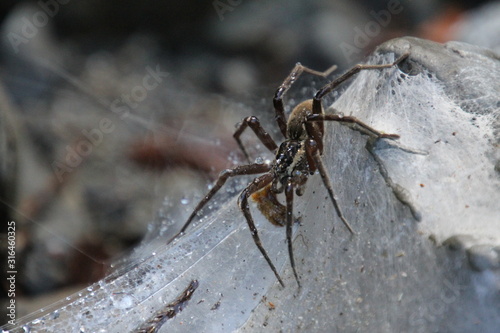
x,y
297,157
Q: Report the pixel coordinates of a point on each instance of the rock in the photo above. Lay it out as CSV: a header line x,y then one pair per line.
x,y
389,276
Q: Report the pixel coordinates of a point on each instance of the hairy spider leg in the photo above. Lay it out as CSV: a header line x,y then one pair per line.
x,y
279,107
312,151
350,119
317,107
289,223
254,186
254,123
241,170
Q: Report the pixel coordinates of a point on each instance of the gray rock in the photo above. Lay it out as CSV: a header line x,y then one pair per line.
x,y
483,257
393,275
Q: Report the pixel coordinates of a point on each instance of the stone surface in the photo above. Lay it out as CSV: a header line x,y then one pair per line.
x,y
395,274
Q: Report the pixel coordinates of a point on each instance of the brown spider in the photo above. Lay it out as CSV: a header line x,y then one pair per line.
x,y
296,158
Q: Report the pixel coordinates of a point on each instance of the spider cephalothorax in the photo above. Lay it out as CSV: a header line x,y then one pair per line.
x,y
291,162
297,157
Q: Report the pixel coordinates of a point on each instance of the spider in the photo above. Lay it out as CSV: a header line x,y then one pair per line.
x,y
297,157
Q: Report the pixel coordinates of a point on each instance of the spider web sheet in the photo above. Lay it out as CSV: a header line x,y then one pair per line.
x,y
387,274
446,163
450,175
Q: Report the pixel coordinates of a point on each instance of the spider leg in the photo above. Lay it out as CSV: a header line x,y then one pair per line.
x,y
349,119
317,109
254,123
283,88
313,154
250,169
289,222
254,186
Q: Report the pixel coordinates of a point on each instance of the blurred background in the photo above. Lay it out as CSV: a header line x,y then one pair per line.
x,y
116,115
